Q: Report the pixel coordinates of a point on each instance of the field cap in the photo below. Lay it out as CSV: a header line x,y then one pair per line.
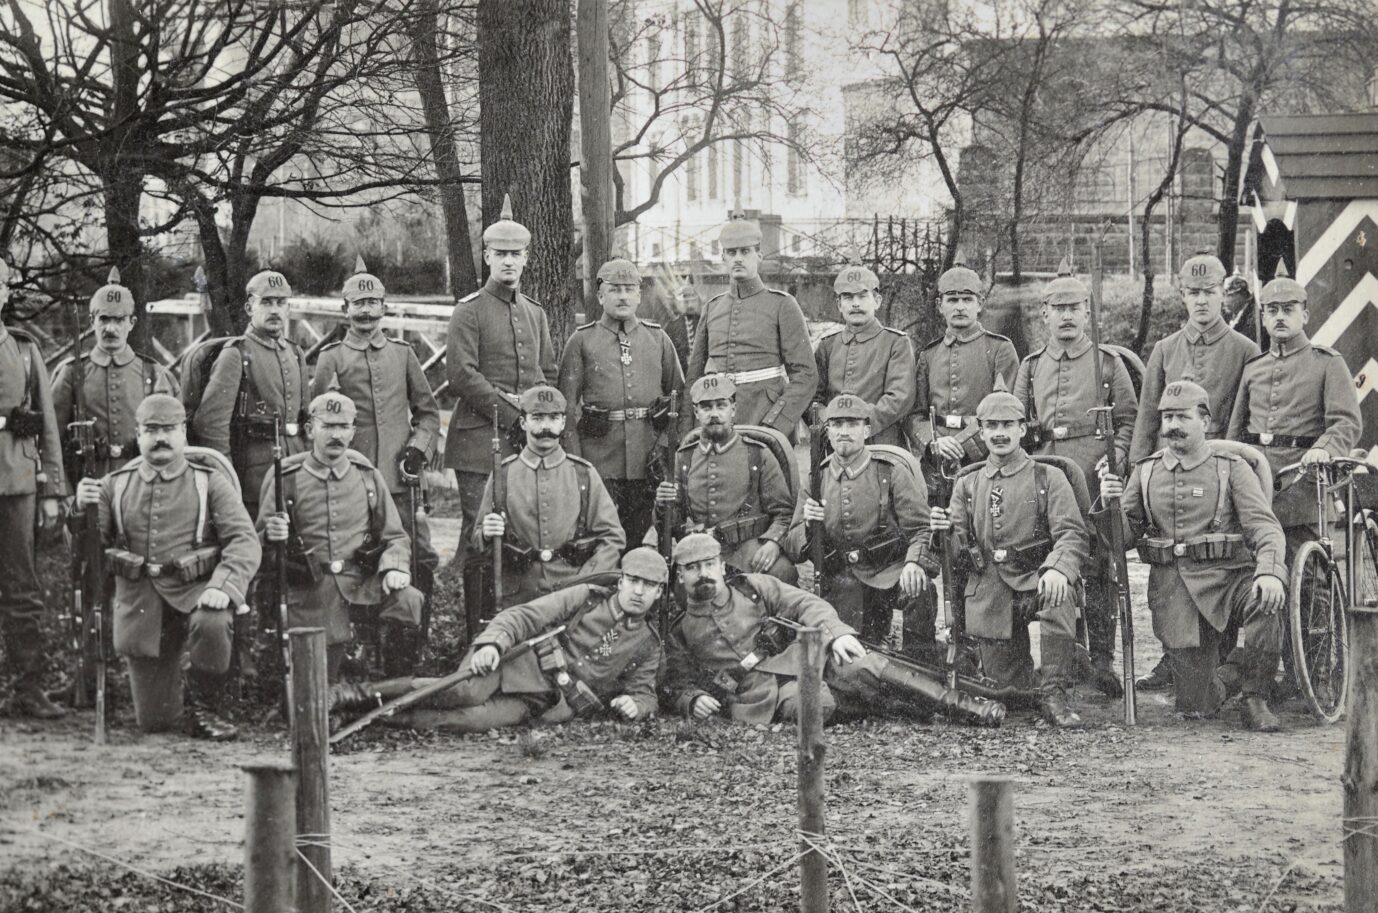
x,y
739,231
1184,394
269,284
712,386
848,405
646,563
1000,405
855,279
543,400
961,279
619,271
1202,271
160,409
696,547
332,405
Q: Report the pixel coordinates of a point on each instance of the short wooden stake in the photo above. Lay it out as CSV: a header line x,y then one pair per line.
x,y
993,888
1360,824
813,867
311,754
270,832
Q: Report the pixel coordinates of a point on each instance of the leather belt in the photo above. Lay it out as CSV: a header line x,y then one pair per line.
x,y
626,415
1278,440
953,422
758,375
1071,431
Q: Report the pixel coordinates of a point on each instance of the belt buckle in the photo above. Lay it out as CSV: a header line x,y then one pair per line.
x,y
952,421
153,570
4,420
1060,432
999,555
546,554
853,556
291,429
1179,549
1266,439
336,567
116,451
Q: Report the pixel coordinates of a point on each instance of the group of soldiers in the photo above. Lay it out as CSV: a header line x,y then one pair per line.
x,y
595,504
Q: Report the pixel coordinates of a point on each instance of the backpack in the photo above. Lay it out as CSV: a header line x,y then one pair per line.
x,y
195,374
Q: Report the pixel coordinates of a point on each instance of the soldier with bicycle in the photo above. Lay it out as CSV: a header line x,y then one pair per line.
x,y
1215,550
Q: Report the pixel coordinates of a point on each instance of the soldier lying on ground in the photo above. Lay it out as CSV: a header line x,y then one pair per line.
x,y
607,656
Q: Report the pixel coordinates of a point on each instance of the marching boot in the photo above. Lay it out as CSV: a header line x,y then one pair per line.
x,y
1104,678
367,695
1055,670
1257,716
917,696
205,721
26,651
401,649
1160,679
30,700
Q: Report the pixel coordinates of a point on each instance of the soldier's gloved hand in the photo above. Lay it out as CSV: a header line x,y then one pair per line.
x,y
1111,486
813,511
485,659
1269,592
1053,587
939,519
847,648
277,527
211,598
765,557
88,492
667,493
947,448
493,526
625,707
1315,455
411,464
50,512
395,580
704,706
913,580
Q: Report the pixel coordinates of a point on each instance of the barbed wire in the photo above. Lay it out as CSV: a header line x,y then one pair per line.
x,y
323,880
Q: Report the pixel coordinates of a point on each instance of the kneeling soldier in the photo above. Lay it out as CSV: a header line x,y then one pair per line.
x,y
727,654
875,524
1020,534
350,548
1201,514
607,655
183,554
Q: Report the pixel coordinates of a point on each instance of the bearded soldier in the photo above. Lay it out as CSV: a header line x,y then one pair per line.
x,y
182,550
757,337
617,374
1216,553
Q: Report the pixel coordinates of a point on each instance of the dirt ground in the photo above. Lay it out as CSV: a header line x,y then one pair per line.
x,y
668,815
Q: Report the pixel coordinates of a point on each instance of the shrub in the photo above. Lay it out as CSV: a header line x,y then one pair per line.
x,y
314,266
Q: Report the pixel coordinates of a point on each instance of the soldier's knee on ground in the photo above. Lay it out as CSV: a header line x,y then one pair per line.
x,y
210,639
155,684
403,606
787,711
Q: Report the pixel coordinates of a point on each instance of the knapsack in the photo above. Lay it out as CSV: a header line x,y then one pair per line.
x,y
195,374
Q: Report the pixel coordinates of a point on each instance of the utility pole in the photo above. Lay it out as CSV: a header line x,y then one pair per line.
x,y
595,132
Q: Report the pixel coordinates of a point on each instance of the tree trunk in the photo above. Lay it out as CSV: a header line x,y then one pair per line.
x,y
123,191
526,94
1234,164
431,87
1146,265
122,179
595,130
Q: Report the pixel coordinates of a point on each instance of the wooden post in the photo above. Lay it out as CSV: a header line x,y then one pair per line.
x,y
813,868
311,755
993,888
269,836
595,138
1360,823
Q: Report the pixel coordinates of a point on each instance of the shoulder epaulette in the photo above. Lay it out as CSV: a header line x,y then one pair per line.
x,y
585,326
1034,354
722,294
686,445
508,459
780,292
1326,349
148,359
578,459
529,300
893,330
884,456
932,342
652,324
1152,456
998,336
1256,357
295,461
831,332
470,297
752,442
133,465
22,335
1109,350
397,342
742,584
358,459
332,345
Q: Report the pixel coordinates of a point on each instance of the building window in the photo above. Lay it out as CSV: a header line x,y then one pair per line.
x,y
794,54
794,161
653,62
740,37
738,166
796,245
691,39
691,178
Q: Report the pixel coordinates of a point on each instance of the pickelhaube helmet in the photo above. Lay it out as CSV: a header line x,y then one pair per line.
x,y
507,233
1066,288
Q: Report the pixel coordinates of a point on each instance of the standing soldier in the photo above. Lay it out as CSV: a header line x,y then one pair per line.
x,y
31,481
875,525
872,361
182,550
1019,532
116,379
345,542
558,521
731,486
617,374
397,420
757,337
499,347
1296,403
1205,350
255,377
1056,385
1216,559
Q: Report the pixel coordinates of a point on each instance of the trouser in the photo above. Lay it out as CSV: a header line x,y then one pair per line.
x,y
861,687
471,485
419,531
866,608
1100,611
21,602
477,705
1010,662
1199,672
398,616
635,503
156,682
920,636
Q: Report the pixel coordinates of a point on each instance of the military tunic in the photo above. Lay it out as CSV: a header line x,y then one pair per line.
x,y
159,511
277,382
1304,392
499,341
396,407
114,387
1214,359
717,486
877,364
333,511
542,512
953,374
995,508
752,328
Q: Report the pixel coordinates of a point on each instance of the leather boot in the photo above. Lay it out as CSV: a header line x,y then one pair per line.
x,y
367,695
1160,679
1104,678
1055,710
24,643
400,648
1257,716
205,721
1055,671
30,700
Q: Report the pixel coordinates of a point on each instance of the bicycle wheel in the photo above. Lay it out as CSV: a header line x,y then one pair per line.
x,y
1366,555
1320,645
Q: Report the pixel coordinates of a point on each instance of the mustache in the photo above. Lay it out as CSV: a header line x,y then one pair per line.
x,y
545,435
1176,434
1000,440
704,589
162,445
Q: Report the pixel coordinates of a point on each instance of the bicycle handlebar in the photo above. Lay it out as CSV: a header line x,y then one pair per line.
x,y
1336,467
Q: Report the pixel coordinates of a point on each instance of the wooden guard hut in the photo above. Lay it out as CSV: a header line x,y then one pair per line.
x,y
1312,190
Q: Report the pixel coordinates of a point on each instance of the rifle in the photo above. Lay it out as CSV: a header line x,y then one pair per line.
x,y
280,507
414,567
435,686
667,517
499,505
954,621
816,543
88,598
1105,430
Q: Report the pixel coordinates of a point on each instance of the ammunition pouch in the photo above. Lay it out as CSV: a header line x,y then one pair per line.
x,y
516,557
303,567
594,422
124,563
971,557
24,422
734,532
577,552
369,555
722,686
1033,437
195,565
550,656
1023,558
876,552
1209,547
551,660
